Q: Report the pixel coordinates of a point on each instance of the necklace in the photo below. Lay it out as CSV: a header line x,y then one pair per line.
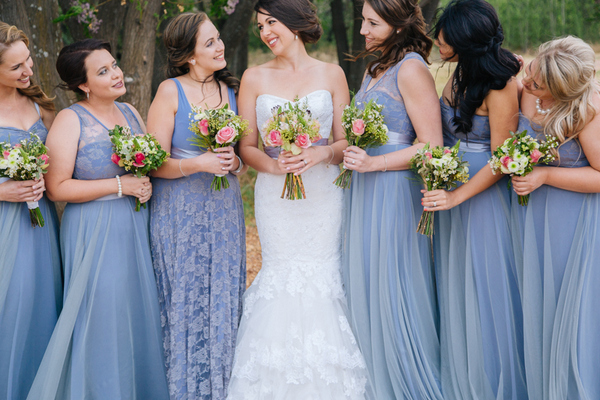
x,y
538,107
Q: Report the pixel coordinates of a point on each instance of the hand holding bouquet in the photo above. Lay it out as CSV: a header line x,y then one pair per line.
x,y
519,154
438,168
216,128
138,154
25,161
293,129
363,128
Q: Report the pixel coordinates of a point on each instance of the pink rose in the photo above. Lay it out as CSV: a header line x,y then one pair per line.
x,y
6,154
303,141
274,138
505,160
203,126
18,145
139,159
358,127
316,138
115,158
428,155
536,155
447,151
44,158
225,135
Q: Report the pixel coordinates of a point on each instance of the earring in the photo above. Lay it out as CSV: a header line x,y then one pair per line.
x,y
88,95
193,62
295,37
398,31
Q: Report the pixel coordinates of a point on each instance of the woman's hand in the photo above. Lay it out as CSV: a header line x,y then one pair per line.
x,y
137,187
300,163
218,162
228,159
23,191
357,159
438,200
523,185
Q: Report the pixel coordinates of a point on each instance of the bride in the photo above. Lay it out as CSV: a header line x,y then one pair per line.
x,y
294,341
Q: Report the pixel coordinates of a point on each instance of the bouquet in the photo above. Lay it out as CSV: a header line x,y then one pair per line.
x,y
216,128
25,161
438,168
292,128
364,128
519,154
139,154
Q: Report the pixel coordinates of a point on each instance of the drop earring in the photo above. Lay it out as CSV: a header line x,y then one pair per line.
x,y
295,37
88,95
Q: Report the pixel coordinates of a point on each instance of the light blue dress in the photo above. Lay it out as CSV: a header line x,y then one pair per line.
x,y
107,343
387,267
30,284
481,322
558,253
199,254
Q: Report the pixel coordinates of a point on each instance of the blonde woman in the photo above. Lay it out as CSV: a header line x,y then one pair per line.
x,y
558,233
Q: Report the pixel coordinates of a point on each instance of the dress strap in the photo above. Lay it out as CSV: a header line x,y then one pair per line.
x,y
232,100
180,94
37,108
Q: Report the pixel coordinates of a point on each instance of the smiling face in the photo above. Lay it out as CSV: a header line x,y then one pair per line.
x,y
104,77
532,83
374,28
209,52
446,51
16,67
273,33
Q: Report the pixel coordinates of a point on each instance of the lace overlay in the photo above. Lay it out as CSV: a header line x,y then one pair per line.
x,y
294,341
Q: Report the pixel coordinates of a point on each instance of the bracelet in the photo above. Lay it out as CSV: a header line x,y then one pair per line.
x,y
385,161
237,171
332,154
120,191
180,170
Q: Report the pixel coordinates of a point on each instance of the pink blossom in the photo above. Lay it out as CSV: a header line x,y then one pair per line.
x,y
6,154
225,135
316,138
139,159
44,158
115,158
505,160
203,126
428,155
358,127
447,151
303,141
274,138
18,145
536,155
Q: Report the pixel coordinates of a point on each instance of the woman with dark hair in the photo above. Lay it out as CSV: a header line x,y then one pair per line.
x,y
197,234
481,324
294,340
558,233
30,270
107,342
387,265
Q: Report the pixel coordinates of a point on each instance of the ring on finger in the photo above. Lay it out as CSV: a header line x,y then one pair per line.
x,y
353,161
435,203
305,163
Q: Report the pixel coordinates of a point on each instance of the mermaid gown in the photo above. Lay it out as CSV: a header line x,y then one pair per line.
x,y
199,255
294,340
30,284
558,248
387,268
481,323
107,342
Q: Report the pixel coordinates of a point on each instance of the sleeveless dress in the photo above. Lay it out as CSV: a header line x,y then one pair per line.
x,y
107,342
30,284
481,322
387,266
199,255
294,340
558,253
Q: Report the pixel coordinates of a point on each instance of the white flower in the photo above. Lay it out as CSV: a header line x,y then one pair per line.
x,y
514,167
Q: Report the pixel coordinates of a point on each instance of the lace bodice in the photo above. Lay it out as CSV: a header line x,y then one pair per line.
x,y
480,132
14,135
571,153
95,148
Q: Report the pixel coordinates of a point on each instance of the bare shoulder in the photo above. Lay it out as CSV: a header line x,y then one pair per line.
x,y
414,75
66,124
167,89
413,66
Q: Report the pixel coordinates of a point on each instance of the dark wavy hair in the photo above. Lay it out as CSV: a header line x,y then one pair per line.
x,y
404,16
10,34
299,16
473,30
180,40
70,63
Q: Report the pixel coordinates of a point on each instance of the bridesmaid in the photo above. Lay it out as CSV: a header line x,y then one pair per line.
x,y
387,266
560,231
480,307
30,275
107,342
197,234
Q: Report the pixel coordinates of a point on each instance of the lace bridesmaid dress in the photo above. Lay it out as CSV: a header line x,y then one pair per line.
x,y
107,343
30,284
199,253
558,252
387,268
294,340
480,306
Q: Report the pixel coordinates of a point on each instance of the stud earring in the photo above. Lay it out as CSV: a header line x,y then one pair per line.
x,y
295,37
88,95
193,62
398,31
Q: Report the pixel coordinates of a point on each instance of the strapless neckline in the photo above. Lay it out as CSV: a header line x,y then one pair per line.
x,y
300,98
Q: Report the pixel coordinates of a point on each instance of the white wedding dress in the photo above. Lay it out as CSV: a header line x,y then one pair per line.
x,y
294,341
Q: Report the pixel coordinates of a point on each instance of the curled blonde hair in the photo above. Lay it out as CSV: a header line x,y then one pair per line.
x,y
566,67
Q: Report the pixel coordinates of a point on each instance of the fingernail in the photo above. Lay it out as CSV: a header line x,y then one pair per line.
x,y
288,168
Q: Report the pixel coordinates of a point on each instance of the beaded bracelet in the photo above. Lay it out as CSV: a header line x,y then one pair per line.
x,y
120,191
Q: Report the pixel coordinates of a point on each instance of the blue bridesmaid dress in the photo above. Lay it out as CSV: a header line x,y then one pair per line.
x,y
387,267
481,322
107,343
558,253
199,253
30,284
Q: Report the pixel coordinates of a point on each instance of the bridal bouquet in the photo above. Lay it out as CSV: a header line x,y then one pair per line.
x,y
438,168
292,128
216,128
25,161
519,154
139,154
363,128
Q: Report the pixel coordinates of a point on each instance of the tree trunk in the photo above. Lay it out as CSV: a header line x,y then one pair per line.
x,y
340,33
234,33
357,68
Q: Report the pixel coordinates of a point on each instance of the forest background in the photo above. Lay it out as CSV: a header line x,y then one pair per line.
x,y
134,29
